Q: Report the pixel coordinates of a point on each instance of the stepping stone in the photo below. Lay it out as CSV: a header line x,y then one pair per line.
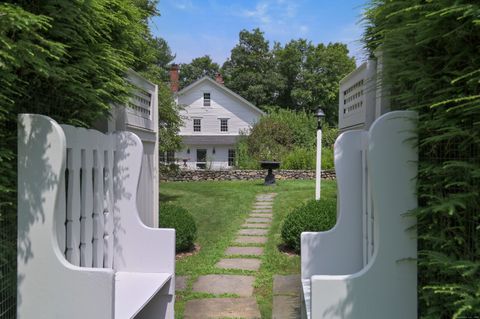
x,y
262,210
250,240
260,206
287,285
180,283
239,263
246,308
286,307
225,284
256,225
254,251
253,232
258,220
263,215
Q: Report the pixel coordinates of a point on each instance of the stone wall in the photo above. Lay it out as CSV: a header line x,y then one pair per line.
x,y
229,175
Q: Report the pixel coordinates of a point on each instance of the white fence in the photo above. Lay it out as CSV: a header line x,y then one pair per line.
x,y
140,116
362,98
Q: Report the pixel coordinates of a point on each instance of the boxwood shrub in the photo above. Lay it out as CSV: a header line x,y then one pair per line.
x,y
173,216
312,216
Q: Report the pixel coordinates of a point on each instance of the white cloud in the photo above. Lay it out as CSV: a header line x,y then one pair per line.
x,y
183,4
303,29
273,16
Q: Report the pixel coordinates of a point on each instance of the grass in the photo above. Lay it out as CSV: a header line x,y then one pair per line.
x,y
220,208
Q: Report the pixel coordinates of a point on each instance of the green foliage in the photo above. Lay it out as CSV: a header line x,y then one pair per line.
x,y
198,68
432,66
300,158
327,158
312,75
68,60
312,216
244,160
173,216
250,70
270,139
287,136
298,76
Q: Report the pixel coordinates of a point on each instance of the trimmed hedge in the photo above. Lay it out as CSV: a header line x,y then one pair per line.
x,y
173,216
312,216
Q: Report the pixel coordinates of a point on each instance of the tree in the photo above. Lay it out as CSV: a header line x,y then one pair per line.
x,y
198,68
250,71
312,75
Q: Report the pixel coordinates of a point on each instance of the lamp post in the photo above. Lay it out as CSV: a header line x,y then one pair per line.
x,y
319,115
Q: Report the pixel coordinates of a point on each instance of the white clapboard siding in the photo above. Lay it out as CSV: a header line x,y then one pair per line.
x,y
223,105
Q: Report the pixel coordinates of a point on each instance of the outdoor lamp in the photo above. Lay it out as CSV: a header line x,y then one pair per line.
x,y
213,151
320,115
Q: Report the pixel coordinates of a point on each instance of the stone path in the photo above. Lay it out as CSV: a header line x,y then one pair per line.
x,y
286,297
244,254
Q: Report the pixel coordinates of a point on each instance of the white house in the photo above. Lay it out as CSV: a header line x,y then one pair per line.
x,y
213,118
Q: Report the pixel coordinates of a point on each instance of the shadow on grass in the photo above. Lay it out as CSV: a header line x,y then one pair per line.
x,y
167,198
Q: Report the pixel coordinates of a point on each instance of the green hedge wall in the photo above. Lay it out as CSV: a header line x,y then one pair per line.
x,y
432,65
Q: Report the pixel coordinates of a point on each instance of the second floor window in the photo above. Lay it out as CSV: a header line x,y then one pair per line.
x,y
223,125
197,125
206,99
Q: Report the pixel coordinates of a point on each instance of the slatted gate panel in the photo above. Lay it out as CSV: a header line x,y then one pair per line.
x,y
367,211
88,236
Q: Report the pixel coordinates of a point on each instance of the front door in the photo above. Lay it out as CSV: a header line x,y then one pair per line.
x,y
201,158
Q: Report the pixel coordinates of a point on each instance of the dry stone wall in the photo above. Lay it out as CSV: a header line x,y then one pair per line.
x,y
229,175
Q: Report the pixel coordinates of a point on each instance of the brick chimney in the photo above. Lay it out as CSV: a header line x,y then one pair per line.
x,y
219,78
174,77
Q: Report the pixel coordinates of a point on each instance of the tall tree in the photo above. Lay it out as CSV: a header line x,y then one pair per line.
x,y
250,71
312,75
198,68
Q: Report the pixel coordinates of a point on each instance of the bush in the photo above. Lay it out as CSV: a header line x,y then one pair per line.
x,y
311,216
172,216
303,158
300,158
327,158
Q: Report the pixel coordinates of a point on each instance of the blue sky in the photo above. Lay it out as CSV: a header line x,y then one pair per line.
x,y
194,28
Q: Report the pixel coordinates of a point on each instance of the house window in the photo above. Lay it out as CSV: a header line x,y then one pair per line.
x,y
197,125
223,125
206,99
231,157
166,157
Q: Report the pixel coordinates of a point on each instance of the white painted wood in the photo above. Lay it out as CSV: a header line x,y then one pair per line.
x,y
86,250
54,225
225,104
387,286
359,98
131,234
108,206
72,223
43,272
145,285
339,250
140,116
318,172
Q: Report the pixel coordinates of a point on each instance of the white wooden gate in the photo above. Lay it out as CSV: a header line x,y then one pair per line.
x,y
140,116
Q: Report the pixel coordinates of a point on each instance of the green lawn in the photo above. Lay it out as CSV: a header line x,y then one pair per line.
x,y
220,208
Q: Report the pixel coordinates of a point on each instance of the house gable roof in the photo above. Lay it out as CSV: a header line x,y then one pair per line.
x,y
222,87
